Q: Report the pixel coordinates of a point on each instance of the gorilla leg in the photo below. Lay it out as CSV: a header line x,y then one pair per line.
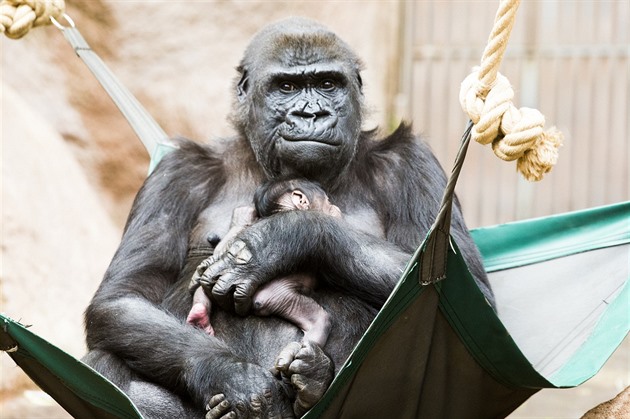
x,y
151,400
285,297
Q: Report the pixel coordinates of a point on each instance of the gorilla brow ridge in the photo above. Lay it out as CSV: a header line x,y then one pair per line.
x,y
303,49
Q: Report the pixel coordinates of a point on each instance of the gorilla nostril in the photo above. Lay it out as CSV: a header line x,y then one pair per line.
x,y
311,115
322,114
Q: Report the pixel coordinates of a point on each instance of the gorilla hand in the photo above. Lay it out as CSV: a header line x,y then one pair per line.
x,y
309,370
229,277
288,242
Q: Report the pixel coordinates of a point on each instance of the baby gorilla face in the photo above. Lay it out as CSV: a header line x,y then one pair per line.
x,y
321,203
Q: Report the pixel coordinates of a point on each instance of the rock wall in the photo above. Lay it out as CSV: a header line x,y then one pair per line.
x,y
56,241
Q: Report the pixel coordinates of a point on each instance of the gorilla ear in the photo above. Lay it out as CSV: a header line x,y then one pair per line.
x,y
360,80
300,201
243,84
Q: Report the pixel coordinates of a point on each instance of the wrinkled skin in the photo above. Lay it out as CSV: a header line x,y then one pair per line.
x,y
297,112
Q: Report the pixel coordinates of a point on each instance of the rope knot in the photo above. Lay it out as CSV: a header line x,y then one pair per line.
x,y
540,159
17,17
515,134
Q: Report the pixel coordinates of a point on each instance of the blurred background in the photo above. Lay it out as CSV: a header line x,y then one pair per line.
x,y
71,165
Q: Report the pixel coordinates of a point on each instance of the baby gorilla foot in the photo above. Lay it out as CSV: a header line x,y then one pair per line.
x,y
309,370
200,317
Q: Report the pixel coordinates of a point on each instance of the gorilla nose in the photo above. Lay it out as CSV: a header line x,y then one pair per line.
x,y
306,114
310,119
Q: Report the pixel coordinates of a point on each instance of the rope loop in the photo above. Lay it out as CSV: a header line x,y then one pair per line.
x,y
486,97
17,17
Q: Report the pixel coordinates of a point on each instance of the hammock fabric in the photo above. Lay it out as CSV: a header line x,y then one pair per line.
x,y
439,350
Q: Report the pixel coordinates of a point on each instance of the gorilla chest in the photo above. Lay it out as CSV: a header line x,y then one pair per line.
x,y
365,219
214,222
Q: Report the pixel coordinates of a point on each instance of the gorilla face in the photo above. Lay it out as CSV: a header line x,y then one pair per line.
x,y
311,122
300,101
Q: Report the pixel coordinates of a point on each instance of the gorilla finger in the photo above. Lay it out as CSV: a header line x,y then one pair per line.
x,y
298,366
213,415
243,294
215,400
218,408
299,382
193,284
201,268
214,270
309,350
239,252
287,356
257,403
222,291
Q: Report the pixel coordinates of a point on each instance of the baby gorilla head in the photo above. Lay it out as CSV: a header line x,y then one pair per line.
x,y
292,194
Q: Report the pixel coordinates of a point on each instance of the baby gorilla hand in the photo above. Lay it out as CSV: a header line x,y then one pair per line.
x,y
308,369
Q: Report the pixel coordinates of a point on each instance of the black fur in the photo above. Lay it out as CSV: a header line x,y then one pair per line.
x,y
388,190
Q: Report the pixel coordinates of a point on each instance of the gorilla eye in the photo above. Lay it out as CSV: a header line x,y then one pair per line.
x,y
328,85
287,87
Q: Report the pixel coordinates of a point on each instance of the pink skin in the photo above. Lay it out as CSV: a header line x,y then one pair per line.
x,y
199,315
284,297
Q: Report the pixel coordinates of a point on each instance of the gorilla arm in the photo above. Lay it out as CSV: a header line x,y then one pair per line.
x,y
409,181
125,318
349,259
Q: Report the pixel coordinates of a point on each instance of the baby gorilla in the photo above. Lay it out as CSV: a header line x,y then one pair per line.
x,y
287,296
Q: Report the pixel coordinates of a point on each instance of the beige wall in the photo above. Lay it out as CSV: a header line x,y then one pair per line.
x,y
568,59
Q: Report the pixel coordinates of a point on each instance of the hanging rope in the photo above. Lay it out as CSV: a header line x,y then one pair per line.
x,y
486,96
17,17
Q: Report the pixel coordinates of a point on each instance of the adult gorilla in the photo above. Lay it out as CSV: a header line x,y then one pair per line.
x,y
298,112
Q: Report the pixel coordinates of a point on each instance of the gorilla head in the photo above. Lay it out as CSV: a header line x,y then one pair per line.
x,y
299,100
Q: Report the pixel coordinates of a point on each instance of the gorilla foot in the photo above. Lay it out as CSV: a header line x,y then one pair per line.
x,y
309,370
219,408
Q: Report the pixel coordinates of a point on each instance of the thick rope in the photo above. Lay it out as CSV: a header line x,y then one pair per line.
x,y
17,17
486,96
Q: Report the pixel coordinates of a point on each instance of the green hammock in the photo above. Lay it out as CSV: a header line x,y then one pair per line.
x,y
439,350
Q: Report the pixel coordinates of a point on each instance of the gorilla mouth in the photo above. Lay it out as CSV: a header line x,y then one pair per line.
x,y
325,137
308,139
